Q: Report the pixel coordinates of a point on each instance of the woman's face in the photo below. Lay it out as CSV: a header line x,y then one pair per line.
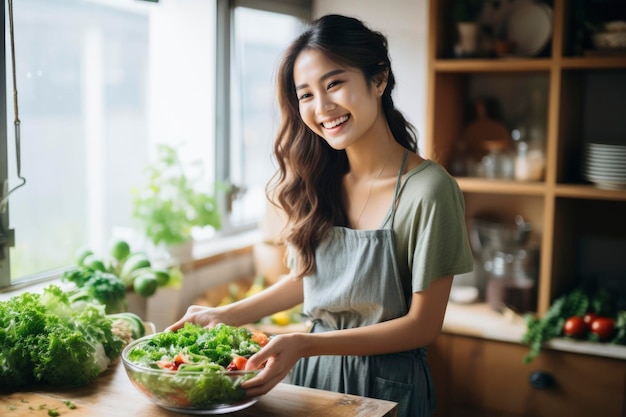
x,y
335,102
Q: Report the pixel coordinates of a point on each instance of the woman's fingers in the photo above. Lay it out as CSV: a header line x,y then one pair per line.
x,y
193,315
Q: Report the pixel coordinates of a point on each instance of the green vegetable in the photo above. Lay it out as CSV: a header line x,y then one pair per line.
x,y
201,380
575,303
49,339
132,322
102,287
134,262
620,329
81,255
146,284
540,330
162,277
95,264
120,250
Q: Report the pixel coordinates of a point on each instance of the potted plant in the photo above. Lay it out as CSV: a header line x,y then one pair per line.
x,y
172,204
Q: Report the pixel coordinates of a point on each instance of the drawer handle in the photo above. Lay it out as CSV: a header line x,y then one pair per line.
x,y
541,380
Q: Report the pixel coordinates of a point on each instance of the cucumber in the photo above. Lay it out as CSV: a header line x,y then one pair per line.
x,y
134,261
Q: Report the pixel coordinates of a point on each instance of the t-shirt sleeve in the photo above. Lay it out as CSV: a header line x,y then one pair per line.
x,y
441,245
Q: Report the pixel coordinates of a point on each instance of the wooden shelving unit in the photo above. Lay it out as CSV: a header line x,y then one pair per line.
x,y
581,229
564,208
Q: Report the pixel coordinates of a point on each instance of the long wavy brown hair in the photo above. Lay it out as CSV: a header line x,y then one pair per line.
x,y
307,184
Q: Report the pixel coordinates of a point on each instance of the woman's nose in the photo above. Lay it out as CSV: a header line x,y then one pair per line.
x,y
324,105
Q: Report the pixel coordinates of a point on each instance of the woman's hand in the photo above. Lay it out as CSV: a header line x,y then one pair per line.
x,y
279,356
204,316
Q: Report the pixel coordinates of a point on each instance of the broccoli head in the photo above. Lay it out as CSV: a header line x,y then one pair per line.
x,y
105,288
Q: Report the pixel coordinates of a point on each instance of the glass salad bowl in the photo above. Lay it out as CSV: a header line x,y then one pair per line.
x,y
183,379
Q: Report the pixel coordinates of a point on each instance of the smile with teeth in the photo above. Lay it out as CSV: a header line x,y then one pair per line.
x,y
336,122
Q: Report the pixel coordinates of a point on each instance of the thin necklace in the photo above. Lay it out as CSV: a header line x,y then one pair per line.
x,y
369,192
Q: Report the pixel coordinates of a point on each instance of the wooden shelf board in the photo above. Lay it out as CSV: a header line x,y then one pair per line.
x,y
482,185
492,65
613,62
589,191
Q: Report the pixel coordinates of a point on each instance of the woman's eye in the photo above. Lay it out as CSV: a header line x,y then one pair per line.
x,y
304,96
333,84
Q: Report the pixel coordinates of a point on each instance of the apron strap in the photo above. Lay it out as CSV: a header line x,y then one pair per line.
x,y
398,183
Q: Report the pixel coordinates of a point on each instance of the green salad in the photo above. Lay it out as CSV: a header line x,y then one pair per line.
x,y
188,368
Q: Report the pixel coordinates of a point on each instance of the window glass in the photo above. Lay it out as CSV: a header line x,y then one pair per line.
x,y
100,83
259,39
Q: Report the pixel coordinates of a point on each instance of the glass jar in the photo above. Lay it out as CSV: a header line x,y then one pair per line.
x,y
529,162
499,161
509,285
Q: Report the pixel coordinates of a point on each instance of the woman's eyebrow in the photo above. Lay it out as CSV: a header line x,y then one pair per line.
x,y
322,78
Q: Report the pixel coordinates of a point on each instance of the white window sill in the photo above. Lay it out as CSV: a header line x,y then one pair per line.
x,y
204,253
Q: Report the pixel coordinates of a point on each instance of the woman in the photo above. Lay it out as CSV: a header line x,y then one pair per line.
x,y
376,233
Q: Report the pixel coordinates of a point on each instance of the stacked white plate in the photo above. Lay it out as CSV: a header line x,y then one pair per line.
x,y
605,165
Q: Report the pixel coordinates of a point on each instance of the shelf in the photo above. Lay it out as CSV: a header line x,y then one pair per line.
x,y
492,65
587,191
526,64
481,185
594,63
583,191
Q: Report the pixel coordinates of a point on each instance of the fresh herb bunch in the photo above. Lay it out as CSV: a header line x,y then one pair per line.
x,y
103,287
49,338
575,303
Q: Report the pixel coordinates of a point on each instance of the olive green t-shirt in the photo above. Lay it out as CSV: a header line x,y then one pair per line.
x,y
429,227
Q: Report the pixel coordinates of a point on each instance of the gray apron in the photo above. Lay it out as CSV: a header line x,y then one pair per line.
x,y
357,284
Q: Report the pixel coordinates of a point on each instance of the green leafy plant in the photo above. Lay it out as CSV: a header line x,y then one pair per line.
x,y
171,204
52,339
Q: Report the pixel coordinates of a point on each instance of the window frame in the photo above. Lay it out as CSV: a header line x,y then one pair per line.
x,y
301,9
5,260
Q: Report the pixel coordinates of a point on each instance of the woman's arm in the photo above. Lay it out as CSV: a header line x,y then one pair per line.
x,y
284,294
418,328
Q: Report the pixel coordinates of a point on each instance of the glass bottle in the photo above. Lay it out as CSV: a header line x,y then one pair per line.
x,y
498,163
509,285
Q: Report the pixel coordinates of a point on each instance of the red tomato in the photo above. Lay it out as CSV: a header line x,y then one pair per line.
x,y
603,327
574,326
260,337
238,363
589,318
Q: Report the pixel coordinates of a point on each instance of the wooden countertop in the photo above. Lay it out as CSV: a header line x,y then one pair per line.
x,y
112,395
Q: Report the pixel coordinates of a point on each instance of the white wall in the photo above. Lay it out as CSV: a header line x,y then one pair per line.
x,y
405,23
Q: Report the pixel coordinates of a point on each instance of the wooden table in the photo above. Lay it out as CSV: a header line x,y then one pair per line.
x,y
112,395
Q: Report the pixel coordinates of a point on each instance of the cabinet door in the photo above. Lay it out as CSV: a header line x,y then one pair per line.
x,y
490,376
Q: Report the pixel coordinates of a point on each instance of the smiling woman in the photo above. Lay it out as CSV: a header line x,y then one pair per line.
x,y
101,83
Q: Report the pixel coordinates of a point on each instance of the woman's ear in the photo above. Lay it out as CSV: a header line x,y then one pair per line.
x,y
381,82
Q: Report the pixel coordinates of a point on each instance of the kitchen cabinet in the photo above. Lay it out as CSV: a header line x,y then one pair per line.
x,y
478,377
580,228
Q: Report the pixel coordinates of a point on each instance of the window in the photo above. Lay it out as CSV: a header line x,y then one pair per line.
x,y
100,83
258,33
